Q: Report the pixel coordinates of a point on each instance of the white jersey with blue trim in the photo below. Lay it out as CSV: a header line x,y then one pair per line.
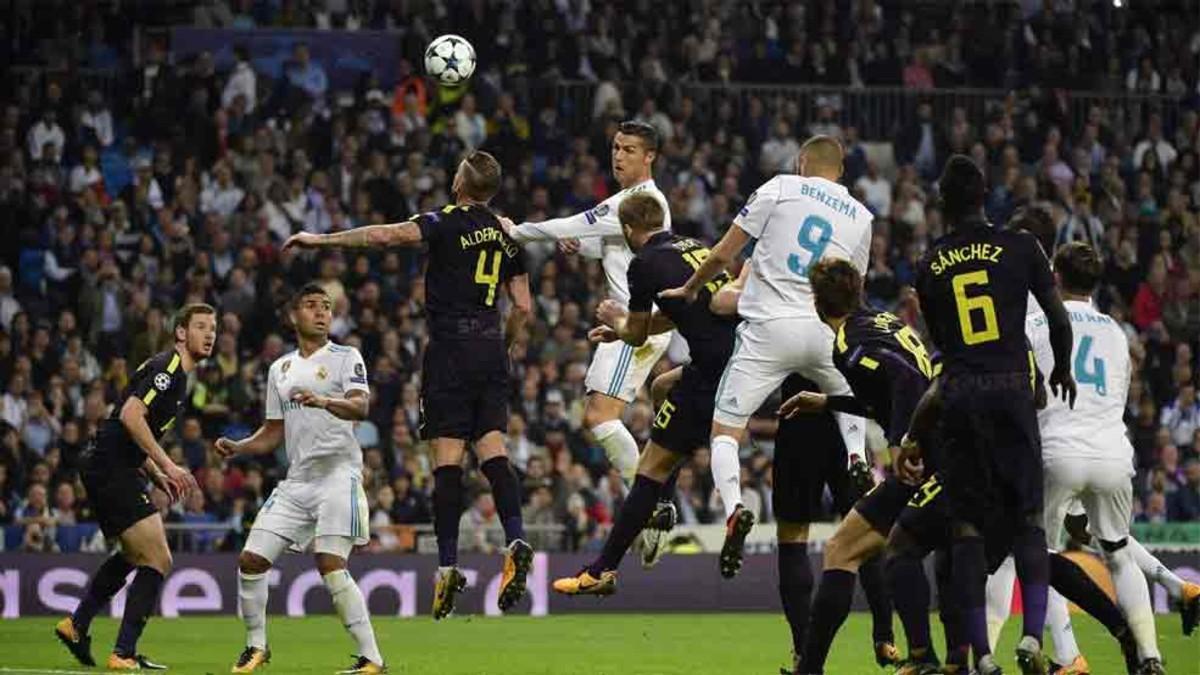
x,y
599,232
317,441
797,221
1095,428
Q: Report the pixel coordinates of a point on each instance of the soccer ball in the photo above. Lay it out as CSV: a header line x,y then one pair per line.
x,y
450,59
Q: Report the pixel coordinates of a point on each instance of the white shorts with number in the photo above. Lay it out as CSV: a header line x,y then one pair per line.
x,y
332,506
619,370
1103,486
765,353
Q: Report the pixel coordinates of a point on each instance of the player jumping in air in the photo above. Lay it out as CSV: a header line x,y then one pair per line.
x,y
618,369
889,369
663,260
797,220
114,468
973,287
465,378
313,397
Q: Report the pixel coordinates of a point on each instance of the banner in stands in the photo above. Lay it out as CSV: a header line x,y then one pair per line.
x,y
402,585
345,55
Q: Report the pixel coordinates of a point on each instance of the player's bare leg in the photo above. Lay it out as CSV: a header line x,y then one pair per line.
x,y
663,520
854,543
727,475
600,578
350,604
145,546
447,508
518,559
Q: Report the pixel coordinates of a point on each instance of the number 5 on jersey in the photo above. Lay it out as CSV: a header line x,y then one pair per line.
x,y
489,279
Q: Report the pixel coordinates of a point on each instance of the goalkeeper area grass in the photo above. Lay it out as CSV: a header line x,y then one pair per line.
x,y
597,644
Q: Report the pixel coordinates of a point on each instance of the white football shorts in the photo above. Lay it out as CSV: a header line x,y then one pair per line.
x,y
1103,486
619,370
332,506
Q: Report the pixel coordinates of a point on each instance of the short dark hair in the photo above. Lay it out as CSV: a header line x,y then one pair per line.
x,y
481,175
641,212
645,131
1036,221
961,187
183,318
1079,266
311,288
837,287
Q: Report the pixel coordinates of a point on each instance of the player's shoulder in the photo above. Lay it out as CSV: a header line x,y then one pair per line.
x,y
341,353
283,363
166,361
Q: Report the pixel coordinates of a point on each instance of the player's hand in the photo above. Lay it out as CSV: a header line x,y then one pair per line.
x,y
309,399
569,246
603,334
301,240
610,312
681,293
907,462
1062,384
226,448
160,481
507,225
181,481
804,402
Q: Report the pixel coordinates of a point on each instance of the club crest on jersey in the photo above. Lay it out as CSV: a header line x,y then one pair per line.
x,y
322,373
162,381
284,368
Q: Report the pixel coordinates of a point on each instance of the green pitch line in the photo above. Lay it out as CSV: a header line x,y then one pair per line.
x,y
649,644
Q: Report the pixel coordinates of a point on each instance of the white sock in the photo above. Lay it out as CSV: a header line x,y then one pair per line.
x,y
727,472
999,598
1151,567
854,433
352,608
252,591
1133,597
1058,622
620,448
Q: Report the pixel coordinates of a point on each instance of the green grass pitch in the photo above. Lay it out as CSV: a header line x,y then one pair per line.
x,y
621,644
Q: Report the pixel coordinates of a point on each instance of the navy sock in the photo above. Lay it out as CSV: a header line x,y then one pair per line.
x,y
1033,569
870,577
910,591
956,641
1075,585
829,610
795,590
637,509
447,509
969,572
507,491
143,591
105,583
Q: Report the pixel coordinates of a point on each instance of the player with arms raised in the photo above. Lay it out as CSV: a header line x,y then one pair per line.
x,y
465,378
973,287
618,369
797,220
313,397
663,260
124,450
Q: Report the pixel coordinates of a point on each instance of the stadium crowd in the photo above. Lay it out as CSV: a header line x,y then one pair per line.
x,y
181,183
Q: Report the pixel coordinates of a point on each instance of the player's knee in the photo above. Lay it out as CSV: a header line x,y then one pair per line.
x,y
327,563
252,563
158,559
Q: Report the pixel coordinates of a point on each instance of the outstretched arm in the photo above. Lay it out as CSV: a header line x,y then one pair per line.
x,y
406,233
598,222
264,440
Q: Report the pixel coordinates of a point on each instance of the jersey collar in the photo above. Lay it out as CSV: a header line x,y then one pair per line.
x,y
320,349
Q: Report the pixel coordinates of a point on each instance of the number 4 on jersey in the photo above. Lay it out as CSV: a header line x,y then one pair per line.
x,y
1095,376
489,279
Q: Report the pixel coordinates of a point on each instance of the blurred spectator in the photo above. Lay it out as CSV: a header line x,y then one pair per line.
x,y
480,526
1181,417
242,82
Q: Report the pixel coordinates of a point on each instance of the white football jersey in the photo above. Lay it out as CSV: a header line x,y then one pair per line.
x,y
317,441
599,232
1095,429
797,221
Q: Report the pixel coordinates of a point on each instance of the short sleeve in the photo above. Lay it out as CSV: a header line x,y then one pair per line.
x,y
641,291
354,372
428,222
757,212
516,265
274,405
149,381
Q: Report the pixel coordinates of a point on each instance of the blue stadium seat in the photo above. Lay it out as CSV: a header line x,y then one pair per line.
x,y
12,537
71,537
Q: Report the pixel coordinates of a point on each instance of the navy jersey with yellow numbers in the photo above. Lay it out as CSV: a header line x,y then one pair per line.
x,y
667,261
973,286
470,257
887,366
161,384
